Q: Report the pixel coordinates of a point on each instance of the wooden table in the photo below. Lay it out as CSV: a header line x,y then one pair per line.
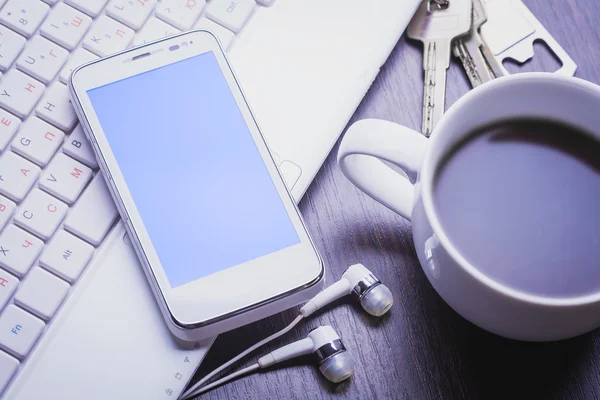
x,y
422,349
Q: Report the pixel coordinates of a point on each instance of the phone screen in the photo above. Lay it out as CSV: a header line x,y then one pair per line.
x,y
194,172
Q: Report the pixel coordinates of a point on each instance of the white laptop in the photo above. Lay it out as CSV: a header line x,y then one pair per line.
x,y
77,318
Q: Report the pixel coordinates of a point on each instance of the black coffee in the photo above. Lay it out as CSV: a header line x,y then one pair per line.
x,y
520,199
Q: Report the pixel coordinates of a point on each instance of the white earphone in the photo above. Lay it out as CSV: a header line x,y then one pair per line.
x,y
375,298
335,362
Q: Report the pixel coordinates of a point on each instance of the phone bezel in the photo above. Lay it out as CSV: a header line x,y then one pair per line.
x,y
228,292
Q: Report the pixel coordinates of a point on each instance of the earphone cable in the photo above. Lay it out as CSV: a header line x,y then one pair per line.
x,y
194,389
227,378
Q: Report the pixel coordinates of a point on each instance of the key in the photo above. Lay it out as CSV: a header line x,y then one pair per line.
x,y
66,26
78,147
231,14
94,213
8,126
7,208
40,214
469,49
266,3
18,250
42,59
56,107
41,293
37,141
8,366
131,13
90,7
17,176
154,29
66,256
23,16
224,35
19,92
78,57
180,13
11,45
19,330
437,29
107,36
8,285
65,178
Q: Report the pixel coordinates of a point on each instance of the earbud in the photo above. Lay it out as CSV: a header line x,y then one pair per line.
x,y
375,297
335,362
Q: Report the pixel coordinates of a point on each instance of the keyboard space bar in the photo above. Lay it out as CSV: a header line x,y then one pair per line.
x,y
94,213
109,341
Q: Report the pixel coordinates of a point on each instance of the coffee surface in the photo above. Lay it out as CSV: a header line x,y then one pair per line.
x,y
520,199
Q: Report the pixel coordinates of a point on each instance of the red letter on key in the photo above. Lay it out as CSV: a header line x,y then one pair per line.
x,y
120,34
2,207
29,87
50,136
25,171
191,4
52,208
27,244
76,21
3,282
76,172
5,121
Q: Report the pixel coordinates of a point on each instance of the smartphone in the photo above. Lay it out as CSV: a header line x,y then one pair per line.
x,y
217,232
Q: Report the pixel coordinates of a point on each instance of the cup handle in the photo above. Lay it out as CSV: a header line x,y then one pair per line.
x,y
364,146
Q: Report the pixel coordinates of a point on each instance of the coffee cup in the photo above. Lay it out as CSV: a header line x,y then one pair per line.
x,y
400,168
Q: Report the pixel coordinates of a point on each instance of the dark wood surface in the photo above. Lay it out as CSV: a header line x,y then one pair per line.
x,y
422,349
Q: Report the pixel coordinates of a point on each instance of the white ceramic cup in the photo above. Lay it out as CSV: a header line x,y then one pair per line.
x,y
478,298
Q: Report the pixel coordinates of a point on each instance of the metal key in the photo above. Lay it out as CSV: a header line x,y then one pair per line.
x,y
437,29
476,58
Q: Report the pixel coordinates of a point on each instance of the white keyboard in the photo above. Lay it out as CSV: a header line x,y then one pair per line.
x,y
55,209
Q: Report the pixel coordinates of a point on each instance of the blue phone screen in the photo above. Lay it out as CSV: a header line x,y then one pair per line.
x,y
192,167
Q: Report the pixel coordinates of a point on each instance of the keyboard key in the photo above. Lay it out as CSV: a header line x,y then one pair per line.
x,y
7,208
19,330
19,92
131,13
37,141
40,214
8,285
229,13
154,29
56,107
78,57
224,35
42,59
11,45
66,26
78,147
66,256
18,250
23,16
8,366
94,213
107,36
180,13
17,176
41,293
90,7
8,126
65,178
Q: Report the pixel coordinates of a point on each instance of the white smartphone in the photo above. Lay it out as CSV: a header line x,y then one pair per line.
x,y
216,230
